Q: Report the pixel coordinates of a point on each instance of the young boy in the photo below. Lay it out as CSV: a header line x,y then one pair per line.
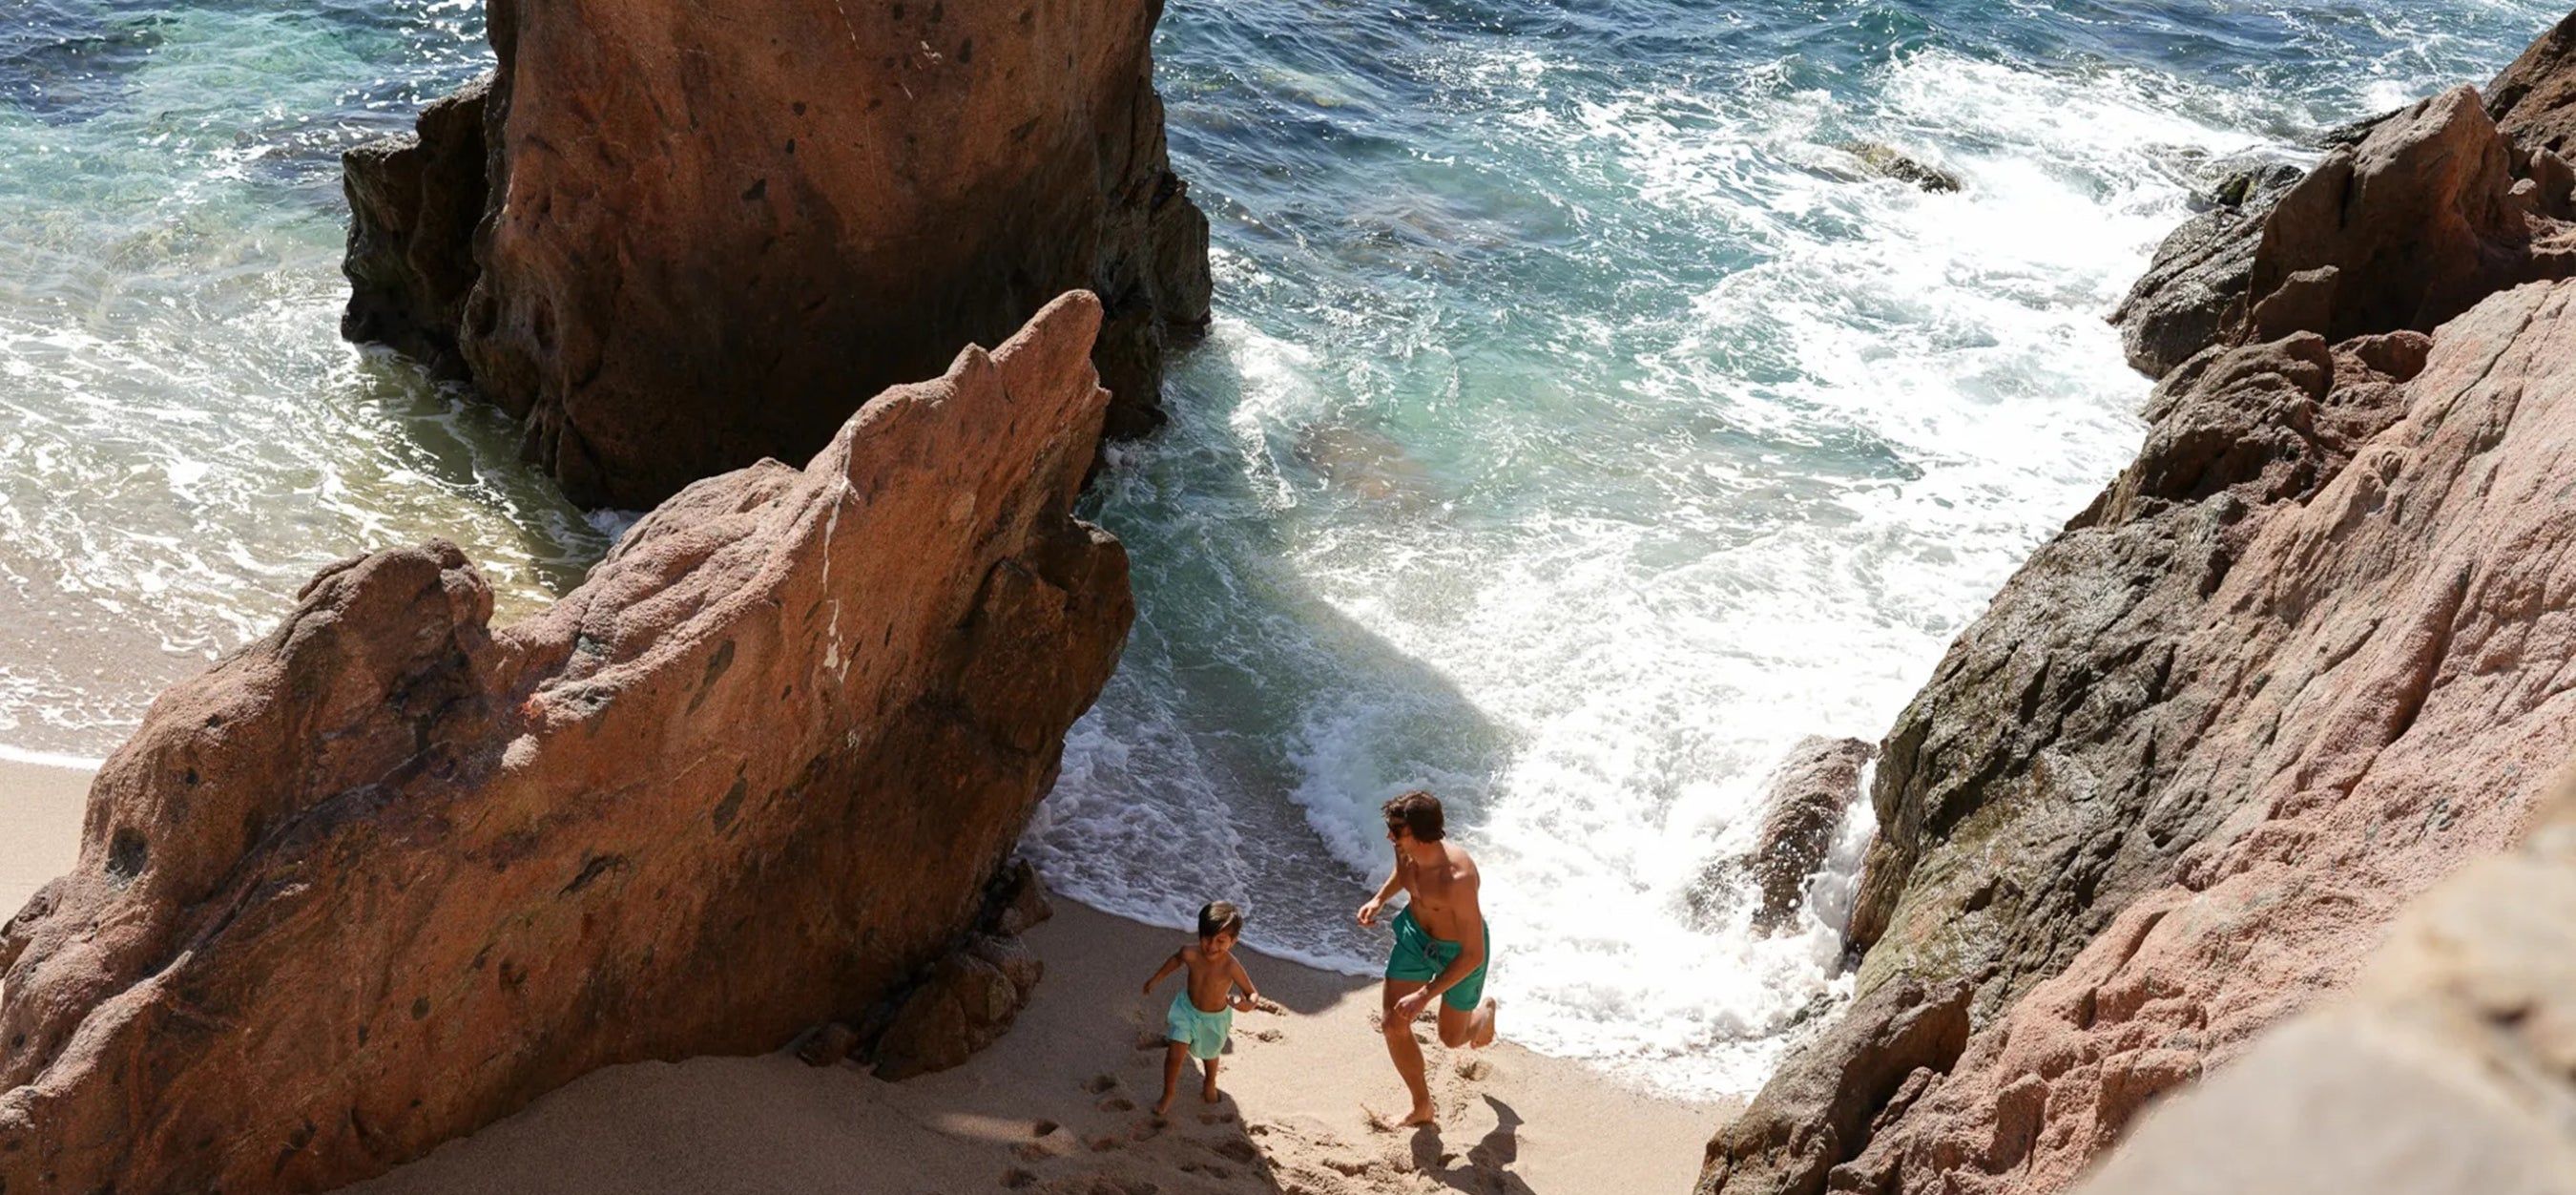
x,y
1202,1013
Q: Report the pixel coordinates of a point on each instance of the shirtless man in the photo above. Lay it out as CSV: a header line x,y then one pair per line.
x,y
1440,944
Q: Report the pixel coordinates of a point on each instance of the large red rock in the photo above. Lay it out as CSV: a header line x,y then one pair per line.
x,y
706,233
2403,231
388,874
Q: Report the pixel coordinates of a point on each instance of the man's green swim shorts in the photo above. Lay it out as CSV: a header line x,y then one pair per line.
x,y
1419,957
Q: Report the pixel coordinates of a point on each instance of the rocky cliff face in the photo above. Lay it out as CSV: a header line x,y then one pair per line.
x,y
2427,211
700,239
388,874
2306,656
2449,1066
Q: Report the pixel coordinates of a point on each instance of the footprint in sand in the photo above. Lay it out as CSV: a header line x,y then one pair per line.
x,y
1265,1035
1016,1178
1216,1117
1116,1103
1236,1149
1098,1084
1103,1144
1149,1041
1474,1068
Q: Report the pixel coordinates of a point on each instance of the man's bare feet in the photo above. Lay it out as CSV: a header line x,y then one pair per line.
x,y
1163,1106
1484,1033
1422,1114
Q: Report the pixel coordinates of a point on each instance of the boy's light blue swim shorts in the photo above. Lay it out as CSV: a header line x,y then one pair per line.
x,y
1203,1032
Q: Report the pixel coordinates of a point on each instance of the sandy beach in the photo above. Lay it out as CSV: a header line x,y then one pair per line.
x,y
40,819
1058,1106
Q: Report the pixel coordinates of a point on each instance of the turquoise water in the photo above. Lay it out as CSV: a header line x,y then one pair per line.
x,y
1580,427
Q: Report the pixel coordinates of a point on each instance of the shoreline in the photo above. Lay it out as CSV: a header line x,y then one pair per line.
x,y
1083,1058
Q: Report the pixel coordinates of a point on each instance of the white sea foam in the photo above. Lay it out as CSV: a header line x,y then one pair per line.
x,y
1598,676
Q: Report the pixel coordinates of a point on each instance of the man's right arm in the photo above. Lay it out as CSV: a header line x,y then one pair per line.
x,y
1385,892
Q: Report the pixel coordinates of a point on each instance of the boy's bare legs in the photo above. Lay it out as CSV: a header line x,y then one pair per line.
x,y
1208,1093
1174,1053
1406,1052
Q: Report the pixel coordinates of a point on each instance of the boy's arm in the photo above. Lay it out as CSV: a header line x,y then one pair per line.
x,y
1251,995
1169,965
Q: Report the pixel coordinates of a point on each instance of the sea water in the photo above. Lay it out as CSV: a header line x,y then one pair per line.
x,y
1582,423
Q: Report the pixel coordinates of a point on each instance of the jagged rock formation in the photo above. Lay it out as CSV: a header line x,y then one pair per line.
x,y
2449,1066
1826,1100
702,240
965,1002
413,204
388,874
2305,657
2533,100
2184,301
1802,807
2429,211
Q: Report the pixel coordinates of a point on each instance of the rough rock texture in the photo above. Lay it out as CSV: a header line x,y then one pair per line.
x,y
2429,211
1816,1111
1802,807
387,874
2305,656
2450,1066
705,237
969,999
2404,230
2533,100
2197,282
413,203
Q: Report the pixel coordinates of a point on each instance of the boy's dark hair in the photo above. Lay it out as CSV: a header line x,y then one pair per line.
x,y
1217,916
1417,811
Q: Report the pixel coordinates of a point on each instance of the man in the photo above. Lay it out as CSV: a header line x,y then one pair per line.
x,y
1440,944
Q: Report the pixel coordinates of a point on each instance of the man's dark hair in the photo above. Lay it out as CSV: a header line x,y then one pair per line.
x,y
1217,916
1417,811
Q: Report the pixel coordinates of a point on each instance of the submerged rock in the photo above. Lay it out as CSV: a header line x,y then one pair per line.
x,y
1886,162
388,874
703,241
1802,807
